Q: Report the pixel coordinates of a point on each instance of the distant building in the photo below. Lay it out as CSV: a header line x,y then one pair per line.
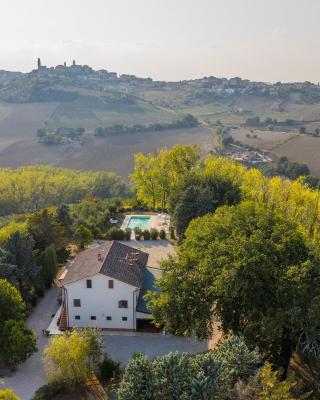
x,y
39,63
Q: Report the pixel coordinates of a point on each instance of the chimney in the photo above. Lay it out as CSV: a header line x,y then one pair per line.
x,y
99,257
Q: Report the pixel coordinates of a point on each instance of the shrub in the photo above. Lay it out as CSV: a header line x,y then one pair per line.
x,y
74,356
162,234
8,394
172,233
127,234
146,235
107,368
154,234
137,233
48,391
115,233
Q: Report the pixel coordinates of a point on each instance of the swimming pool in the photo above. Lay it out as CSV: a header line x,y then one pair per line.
x,y
139,221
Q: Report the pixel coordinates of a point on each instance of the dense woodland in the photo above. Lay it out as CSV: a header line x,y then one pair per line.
x,y
32,188
248,261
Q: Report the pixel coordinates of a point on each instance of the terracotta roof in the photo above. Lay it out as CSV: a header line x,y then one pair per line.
x,y
113,259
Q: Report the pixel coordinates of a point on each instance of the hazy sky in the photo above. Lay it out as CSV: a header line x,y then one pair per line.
x,y
266,40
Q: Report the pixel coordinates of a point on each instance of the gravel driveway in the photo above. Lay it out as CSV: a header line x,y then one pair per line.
x,y
119,345
30,375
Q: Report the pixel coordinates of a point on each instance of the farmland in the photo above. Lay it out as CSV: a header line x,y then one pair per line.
x,y
79,97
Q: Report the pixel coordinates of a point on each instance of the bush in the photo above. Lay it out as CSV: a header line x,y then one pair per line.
x,y
146,235
107,368
172,233
154,234
162,234
137,233
115,234
127,234
48,391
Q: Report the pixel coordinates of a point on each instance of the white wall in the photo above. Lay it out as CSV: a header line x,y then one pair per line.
x,y
102,302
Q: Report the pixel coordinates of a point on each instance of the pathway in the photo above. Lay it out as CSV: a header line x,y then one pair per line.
x,y
30,375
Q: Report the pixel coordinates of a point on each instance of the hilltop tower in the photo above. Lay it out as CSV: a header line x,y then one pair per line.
x,y
39,63
74,63
64,64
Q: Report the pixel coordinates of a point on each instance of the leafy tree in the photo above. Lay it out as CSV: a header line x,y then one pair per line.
x,y
11,303
74,356
8,394
156,176
20,252
45,229
136,383
199,195
83,236
17,342
253,270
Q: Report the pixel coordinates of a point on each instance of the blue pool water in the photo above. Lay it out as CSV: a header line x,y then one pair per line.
x,y
141,222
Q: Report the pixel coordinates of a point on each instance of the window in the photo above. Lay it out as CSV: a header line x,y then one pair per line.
x,y
93,318
89,283
109,318
76,303
124,318
123,304
110,284
77,317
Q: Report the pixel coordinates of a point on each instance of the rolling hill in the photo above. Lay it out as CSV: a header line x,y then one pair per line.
x,y
80,97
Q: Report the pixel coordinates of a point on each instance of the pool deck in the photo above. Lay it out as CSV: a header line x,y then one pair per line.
x,y
157,221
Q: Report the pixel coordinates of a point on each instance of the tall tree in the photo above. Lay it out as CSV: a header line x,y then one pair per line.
x,y
17,342
49,265
156,176
45,229
20,252
11,303
198,195
250,268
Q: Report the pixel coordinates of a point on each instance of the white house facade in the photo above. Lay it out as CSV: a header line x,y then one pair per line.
x,y
104,287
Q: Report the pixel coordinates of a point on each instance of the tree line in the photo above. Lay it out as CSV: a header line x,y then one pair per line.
x,y
248,256
188,121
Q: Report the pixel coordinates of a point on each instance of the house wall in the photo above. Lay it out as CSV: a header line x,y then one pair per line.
x,y
100,301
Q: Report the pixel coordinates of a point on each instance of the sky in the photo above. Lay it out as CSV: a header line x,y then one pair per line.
x,y
264,40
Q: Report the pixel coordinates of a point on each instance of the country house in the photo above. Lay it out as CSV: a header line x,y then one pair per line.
x,y
104,286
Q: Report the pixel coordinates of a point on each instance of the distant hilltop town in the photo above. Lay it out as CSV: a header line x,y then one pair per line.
x,y
65,82
73,67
